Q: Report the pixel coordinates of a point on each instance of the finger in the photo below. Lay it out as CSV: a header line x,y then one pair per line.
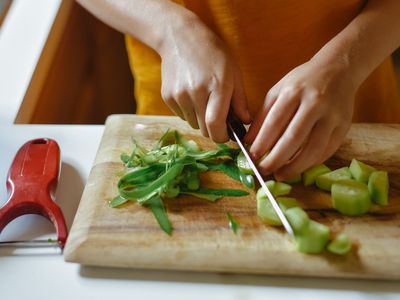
x,y
291,140
313,149
274,124
239,101
187,109
260,117
336,140
216,114
199,100
173,106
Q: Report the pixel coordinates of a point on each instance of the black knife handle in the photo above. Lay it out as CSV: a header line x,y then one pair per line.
x,y
236,125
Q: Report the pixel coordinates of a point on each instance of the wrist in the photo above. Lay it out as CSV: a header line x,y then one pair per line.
x,y
176,24
339,65
183,27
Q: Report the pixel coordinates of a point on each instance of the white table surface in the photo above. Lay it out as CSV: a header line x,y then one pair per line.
x,y
47,276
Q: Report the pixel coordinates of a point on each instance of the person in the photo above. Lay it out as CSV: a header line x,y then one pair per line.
x,y
298,71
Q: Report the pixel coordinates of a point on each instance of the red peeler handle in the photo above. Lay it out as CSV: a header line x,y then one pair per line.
x,y
31,183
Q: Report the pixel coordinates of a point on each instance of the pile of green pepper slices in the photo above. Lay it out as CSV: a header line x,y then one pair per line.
x,y
172,168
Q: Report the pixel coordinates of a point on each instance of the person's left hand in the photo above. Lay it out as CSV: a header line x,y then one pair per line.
x,y
305,117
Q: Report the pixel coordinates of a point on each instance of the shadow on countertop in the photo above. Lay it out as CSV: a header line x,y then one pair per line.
x,y
368,286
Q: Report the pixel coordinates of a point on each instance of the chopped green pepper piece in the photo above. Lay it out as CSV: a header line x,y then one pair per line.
x,y
276,188
340,245
243,164
287,202
298,219
192,180
247,180
378,186
313,238
326,180
281,189
266,211
350,197
293,180
360,171
311,174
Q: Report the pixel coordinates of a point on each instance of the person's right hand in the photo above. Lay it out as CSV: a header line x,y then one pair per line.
x,y
200,79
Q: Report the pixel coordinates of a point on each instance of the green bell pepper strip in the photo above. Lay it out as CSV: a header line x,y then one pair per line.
x,y
222,146
233,224
117,201
157,207
220,192
214,194
207,155
141,175
228,168
211,198
141,192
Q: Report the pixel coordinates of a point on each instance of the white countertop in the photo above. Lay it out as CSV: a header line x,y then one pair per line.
x,y
45,276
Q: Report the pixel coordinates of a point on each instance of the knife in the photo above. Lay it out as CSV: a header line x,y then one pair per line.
x,y
236,131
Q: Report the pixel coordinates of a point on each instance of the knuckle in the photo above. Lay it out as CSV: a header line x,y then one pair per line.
x,y
291,137
179,94
270,94
314,100
291,90
197,88
266,167
221,83
212,120
166,95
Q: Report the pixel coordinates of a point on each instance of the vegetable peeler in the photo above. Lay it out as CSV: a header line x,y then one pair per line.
x,y
31,184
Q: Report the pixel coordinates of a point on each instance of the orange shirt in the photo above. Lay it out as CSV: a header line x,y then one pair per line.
x,y
269,38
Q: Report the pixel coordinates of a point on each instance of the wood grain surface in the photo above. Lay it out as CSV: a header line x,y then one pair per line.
x,y
202,240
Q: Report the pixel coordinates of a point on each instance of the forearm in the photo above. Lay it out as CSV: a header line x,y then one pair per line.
x,y
150,21
371,37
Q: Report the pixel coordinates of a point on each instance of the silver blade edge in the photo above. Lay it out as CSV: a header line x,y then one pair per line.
x,y
270,197
30,244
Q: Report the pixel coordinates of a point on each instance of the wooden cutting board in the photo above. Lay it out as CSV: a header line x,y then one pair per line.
x,y
202,240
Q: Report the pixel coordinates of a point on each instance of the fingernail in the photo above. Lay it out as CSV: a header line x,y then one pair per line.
x,y
264,172
253,155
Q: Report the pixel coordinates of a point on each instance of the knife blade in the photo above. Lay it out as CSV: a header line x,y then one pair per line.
x,y
232,133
